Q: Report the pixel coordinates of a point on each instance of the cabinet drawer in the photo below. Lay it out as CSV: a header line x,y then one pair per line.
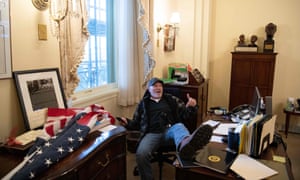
x,y
102,161
116,170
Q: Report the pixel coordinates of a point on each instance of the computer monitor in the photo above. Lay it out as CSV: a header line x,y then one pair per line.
x,y
255,106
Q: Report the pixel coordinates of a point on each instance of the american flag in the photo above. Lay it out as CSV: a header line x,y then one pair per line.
x,y
64,132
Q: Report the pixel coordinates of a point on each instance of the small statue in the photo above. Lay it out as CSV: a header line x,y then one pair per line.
x,y
270,30
241,42
269,42
253,41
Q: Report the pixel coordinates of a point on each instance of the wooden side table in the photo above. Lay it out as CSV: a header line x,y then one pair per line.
x,y
287,119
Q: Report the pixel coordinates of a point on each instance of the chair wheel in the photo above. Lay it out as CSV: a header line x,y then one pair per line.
x,y
136,171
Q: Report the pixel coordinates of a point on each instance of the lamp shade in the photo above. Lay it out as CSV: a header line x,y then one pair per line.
x,y
175,18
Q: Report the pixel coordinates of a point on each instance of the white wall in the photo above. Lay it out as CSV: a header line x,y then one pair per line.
x,y
228,19
27,53
234,17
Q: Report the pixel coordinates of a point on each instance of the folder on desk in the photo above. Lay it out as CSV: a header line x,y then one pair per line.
x,y
215,159
257,135
266,132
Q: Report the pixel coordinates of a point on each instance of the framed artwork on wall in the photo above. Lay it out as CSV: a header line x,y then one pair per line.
x,y
37,90
5,53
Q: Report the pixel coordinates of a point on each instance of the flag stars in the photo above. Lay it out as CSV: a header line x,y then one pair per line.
x,y
71,139
31,175
47,144
80,139
60,150
70,149
39,151
38,148
79,131
48,162
30,161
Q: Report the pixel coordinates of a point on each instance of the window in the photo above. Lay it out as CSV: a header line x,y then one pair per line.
x,y
98,65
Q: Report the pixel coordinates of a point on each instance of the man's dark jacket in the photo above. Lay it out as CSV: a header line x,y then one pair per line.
x,y
178,108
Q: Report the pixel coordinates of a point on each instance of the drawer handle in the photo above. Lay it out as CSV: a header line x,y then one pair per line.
x,y
107,161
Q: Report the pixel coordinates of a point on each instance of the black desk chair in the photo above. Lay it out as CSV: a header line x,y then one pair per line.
x,y
165,154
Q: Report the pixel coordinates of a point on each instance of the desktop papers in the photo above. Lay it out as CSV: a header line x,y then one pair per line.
x,y
249,168
222,129
212,123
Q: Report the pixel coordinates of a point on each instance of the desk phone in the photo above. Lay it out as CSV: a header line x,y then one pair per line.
x,y
242,112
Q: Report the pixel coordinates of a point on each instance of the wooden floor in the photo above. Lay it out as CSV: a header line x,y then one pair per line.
x,y
293,149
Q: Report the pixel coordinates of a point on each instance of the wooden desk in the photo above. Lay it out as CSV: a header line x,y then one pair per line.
x,y
287,119
204,173
101,156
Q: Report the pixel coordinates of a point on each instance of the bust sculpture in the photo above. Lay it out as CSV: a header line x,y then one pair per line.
x,y
270,30
253,41
241,42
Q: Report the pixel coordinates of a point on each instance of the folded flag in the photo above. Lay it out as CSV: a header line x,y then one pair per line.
x,y
65,130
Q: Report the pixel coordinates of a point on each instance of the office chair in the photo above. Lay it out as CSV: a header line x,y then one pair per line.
x,y
164,154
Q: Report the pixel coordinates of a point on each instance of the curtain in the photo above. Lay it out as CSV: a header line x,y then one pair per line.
x,y
145,19
129,62
134,48
70,17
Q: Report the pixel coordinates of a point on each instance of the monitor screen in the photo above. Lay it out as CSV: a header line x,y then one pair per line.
x,y
255,106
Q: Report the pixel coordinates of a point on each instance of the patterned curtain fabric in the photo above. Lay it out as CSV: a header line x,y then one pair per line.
x,y
145,19
70,17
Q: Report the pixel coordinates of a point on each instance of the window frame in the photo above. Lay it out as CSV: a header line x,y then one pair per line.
x,y
111,62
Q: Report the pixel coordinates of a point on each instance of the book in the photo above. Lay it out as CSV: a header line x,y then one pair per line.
x,y
215,159
246,49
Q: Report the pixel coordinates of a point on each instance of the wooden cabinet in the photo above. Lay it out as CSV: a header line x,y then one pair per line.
x,y
101,156
249,69
199,92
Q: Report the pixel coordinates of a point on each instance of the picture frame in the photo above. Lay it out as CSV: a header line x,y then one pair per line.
x,y
37,90
5,51
169,37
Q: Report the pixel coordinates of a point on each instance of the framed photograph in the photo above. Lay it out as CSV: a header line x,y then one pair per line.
x,y
5,54
37,90
169,38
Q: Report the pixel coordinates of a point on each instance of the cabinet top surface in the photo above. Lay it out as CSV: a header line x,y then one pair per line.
x,y
255,53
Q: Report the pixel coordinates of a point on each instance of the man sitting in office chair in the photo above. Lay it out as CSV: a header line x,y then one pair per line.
x,y
159,118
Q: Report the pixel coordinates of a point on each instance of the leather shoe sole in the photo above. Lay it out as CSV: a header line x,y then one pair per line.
x,y
196,141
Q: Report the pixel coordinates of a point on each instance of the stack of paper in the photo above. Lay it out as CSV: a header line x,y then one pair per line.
x,y
249,168
222,129
28,137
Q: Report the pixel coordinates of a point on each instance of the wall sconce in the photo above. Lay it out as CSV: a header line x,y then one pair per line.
x,y
170,31
175,19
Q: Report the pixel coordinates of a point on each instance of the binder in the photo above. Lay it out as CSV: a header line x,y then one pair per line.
x,y
257,134
266,132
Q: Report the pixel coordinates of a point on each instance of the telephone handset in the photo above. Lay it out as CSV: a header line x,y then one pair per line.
x,y
240,108
241,112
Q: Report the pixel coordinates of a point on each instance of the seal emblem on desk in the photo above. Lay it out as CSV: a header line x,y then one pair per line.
x,y
214,158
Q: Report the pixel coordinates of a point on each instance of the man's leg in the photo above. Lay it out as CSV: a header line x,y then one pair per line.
x,y
187,144
147,146
177,133
195,141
